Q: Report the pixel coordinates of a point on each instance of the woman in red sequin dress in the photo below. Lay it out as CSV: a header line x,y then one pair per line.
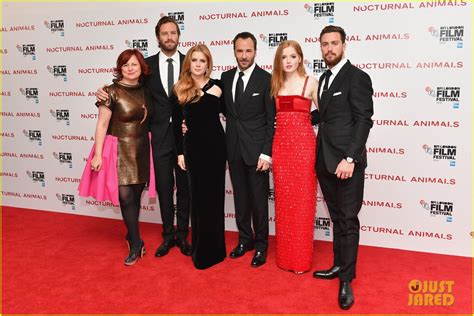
x,y
294,157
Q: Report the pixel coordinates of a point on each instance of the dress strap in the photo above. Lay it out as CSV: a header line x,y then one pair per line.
x,y
304,87
208,85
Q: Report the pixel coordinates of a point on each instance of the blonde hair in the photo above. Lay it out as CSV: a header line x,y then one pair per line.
x,y
186,89
278,76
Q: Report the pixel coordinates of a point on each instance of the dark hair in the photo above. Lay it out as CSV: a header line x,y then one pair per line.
x,y
334,29
245,35
124,57
164,20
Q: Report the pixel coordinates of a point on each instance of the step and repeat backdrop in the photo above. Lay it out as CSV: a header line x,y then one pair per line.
x,y
419,178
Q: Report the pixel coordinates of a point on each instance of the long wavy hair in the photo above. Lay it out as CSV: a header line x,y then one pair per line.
x,y
278,75
186,89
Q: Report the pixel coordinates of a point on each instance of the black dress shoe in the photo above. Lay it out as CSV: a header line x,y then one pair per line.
x,y
259,258
164,248
184,246
240,250
327,274
346,295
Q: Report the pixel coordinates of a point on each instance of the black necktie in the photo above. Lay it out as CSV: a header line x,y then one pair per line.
x,y
170,76
326,80
239,89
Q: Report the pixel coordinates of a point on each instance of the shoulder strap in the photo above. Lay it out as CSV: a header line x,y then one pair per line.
x,y
304,87
208,85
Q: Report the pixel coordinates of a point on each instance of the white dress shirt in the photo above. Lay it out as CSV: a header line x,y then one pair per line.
x,y
335,70
162,59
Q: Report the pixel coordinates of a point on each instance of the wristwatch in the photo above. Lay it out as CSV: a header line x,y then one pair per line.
x,y
349,159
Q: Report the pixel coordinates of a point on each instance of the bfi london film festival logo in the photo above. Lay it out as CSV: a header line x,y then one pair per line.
x,y
321,10
63,158
316,66
442,152
271,195
323,223
36,176
30,94
439,208
445,95
430,293
58,71
448,34
27,50
273,39
56,26
67,199
60,115
140,44
33,136
177,16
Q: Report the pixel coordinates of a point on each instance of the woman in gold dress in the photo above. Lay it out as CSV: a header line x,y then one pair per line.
x,y
125,115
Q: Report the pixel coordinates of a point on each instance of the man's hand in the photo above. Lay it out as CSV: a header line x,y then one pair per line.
x,y
263,165
181,162
344,170
101,95
184,127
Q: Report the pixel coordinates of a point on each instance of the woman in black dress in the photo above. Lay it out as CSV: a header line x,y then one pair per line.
x,y
202,153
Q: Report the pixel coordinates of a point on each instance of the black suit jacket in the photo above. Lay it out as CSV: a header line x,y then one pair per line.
x,y
160,126
249,126
345,112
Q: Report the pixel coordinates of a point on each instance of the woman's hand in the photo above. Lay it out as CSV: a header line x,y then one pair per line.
x,y
96,163
181,162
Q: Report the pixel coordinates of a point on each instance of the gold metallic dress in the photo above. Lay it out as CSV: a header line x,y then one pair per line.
x,y
129,123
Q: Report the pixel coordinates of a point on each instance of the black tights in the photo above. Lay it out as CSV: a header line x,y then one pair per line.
x,y
129,196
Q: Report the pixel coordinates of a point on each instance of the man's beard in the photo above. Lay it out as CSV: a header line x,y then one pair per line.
x,y
334,62
165,48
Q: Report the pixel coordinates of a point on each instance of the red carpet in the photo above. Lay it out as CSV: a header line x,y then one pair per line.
x,y
61,263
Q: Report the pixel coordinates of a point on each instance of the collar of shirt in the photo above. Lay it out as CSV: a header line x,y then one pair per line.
x,y
334,70
247,73
162,59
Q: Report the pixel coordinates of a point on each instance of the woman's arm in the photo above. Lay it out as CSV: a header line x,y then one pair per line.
x,y
100,131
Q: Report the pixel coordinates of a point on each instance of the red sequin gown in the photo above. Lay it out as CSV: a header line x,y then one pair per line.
x,y
294,175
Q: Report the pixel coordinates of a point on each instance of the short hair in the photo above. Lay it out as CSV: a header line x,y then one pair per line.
x,y
246,35
124,57
334,29
164,20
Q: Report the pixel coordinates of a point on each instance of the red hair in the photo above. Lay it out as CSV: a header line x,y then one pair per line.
x,y
124,57
278,76
186,89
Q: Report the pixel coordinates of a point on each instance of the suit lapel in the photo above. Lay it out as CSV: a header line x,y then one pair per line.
x,y
249,88
181,61
228,93
321,79
338,80
158,76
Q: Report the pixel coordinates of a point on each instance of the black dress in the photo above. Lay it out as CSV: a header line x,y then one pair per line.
x,y
205,156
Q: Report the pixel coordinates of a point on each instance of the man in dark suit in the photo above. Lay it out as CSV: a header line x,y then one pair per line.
x,y
249,135
345,110
165,68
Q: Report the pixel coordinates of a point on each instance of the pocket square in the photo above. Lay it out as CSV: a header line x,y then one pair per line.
x,y
255,94
336,93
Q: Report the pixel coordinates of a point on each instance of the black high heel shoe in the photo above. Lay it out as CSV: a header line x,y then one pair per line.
x,y
133,256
